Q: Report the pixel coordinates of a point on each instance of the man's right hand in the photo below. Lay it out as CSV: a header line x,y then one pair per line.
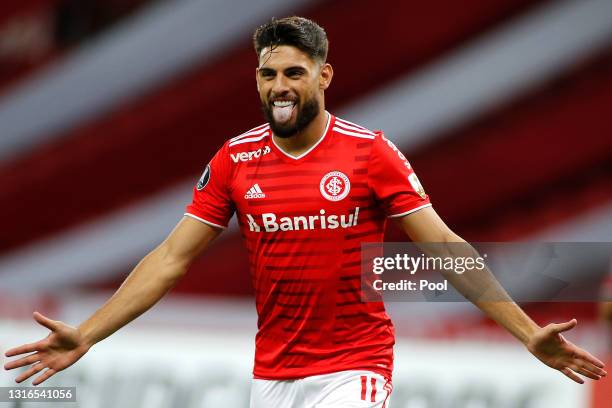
x,y
152,278
63,347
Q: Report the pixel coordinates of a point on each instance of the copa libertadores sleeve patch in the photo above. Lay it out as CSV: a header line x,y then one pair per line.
x,y
204,178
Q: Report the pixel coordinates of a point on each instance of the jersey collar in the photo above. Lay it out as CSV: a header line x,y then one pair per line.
x,y
296,159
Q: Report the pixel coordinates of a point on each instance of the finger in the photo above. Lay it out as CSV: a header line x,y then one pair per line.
x,y
44,376
585,372
569,373
591,367
586,356
32,358
26,348
33,370
45,321
563,327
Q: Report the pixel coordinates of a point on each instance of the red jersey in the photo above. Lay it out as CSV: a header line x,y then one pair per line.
x,y
303,220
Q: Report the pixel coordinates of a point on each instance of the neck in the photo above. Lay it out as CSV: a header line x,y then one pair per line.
x,y
306,138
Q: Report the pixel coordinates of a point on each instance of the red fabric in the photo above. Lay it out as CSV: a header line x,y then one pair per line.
x,y
303,221
394,182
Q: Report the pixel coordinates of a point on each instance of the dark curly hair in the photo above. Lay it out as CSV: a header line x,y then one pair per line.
x,y
299,32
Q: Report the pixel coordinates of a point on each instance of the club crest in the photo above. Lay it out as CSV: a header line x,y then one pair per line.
x,y
335,185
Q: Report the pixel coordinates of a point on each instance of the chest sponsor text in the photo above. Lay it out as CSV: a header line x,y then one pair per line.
x,y
270,222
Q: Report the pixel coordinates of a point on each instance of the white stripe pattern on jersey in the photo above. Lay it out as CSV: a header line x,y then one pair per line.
x,y
255,131
354,134
347,122
343,124
351,129
249,139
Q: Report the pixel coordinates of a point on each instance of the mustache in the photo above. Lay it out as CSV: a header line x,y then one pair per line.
x,y
274,98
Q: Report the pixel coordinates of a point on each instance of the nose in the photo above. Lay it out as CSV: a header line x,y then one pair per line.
x,y
280,87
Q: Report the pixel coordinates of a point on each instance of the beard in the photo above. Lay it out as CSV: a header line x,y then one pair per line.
x,y
306,113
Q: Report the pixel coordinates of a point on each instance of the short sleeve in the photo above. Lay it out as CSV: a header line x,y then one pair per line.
x,y
392,180
212,202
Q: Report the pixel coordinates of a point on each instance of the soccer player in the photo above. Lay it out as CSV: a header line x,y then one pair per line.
x,y
307,188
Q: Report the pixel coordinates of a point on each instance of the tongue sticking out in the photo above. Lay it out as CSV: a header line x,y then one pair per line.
x,y
282,114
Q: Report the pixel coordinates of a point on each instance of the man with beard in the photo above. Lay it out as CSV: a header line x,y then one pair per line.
x,y
307,188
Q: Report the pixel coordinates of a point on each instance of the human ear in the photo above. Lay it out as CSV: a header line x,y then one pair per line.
x,y
325,77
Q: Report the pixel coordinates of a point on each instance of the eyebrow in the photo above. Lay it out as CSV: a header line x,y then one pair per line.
x,y
268,70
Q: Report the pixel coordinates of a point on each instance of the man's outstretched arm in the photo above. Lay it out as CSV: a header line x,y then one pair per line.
x,y
483,289
150,280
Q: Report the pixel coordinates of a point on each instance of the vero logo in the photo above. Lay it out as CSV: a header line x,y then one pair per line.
x,y
254,192
246,156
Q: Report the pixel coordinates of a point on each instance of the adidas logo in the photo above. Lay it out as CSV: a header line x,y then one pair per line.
x,y
254,192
